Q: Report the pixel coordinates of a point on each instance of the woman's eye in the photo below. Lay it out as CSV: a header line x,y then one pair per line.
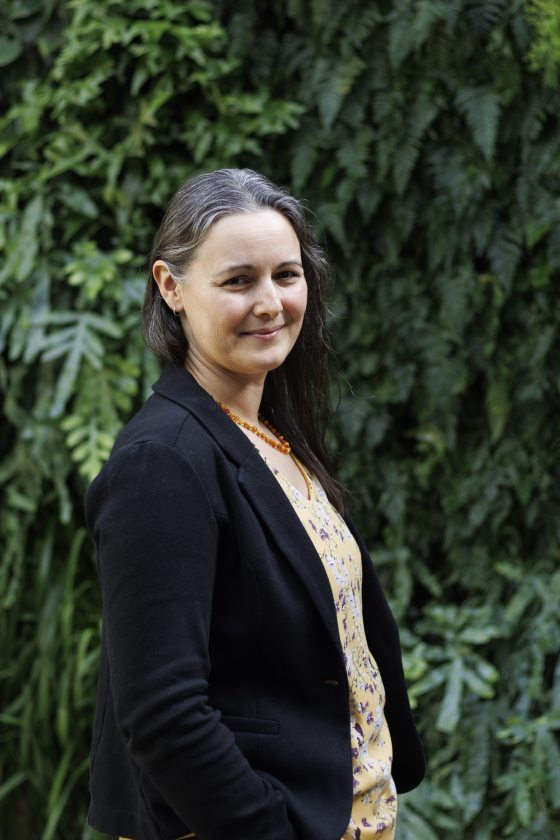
x,y
287,275
236,281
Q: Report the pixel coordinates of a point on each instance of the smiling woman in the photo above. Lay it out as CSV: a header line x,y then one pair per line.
x,y
251,684
258,304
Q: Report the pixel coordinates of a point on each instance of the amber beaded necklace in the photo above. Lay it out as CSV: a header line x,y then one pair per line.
x,y
279,442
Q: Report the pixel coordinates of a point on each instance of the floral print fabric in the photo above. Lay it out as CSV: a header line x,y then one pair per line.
x,y
374,807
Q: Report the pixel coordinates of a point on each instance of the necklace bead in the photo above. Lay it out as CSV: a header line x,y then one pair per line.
x,y
279,442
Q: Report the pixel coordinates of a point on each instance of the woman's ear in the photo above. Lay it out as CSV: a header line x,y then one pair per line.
x,y
168,286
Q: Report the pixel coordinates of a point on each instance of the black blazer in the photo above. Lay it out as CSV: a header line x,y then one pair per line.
x,y
222,703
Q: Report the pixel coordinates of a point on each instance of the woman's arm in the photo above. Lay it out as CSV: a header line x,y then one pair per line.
x,y
157,543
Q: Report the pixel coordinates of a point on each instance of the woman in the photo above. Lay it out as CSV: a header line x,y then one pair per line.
x,y
242,684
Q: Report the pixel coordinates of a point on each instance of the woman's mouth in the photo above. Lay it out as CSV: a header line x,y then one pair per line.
x,y
265,333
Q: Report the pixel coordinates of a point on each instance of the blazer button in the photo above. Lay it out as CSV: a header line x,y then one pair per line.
x,y
330,682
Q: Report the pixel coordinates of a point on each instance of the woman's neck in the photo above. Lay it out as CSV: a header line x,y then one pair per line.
x,y
243,396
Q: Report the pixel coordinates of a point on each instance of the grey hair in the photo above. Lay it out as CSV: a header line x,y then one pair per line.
x,y
197,205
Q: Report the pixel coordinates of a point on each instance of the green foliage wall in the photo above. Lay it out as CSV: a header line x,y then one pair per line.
x,y
425,137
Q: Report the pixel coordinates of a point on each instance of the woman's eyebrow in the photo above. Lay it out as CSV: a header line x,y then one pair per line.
x,y
239,267
250,267
289,262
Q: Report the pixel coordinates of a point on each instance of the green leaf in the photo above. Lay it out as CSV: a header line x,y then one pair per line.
x,y
10,50
523,804
79,201
24,247
450,709
10,784
497,405
478,686
535,231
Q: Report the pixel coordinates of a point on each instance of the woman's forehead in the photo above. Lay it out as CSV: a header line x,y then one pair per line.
x,y
248,237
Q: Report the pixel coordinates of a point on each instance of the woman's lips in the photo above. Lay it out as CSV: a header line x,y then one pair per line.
x,y
269,332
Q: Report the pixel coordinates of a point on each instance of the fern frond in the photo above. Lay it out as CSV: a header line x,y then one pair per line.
x,y
481,108
75,343
485,15
423,114
411,24
103,398
332,84
505,254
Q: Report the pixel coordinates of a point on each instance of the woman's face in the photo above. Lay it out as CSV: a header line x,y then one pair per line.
x,y
244,298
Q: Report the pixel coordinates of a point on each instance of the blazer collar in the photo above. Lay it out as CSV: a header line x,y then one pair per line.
x,y
260,487
179,386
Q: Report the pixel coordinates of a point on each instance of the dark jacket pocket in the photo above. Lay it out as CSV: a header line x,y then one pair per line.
x,y
258,726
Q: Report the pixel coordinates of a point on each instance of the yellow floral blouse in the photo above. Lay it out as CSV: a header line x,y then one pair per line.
x,y
374,808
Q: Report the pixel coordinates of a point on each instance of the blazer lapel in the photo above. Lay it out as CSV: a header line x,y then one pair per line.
x,y
284,526
259,486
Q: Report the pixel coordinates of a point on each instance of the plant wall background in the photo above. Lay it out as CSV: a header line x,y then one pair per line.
x,y
424,135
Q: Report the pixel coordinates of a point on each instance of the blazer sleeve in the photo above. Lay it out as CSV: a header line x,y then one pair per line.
x,y
157,548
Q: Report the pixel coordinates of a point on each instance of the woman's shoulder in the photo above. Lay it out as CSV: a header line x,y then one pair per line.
x,y
170,433
163,451
175,415
180,435
159,421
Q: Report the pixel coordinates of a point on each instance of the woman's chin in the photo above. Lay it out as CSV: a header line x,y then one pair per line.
x,y
266,363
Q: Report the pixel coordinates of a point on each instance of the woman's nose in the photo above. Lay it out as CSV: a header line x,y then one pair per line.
x,y
267,300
